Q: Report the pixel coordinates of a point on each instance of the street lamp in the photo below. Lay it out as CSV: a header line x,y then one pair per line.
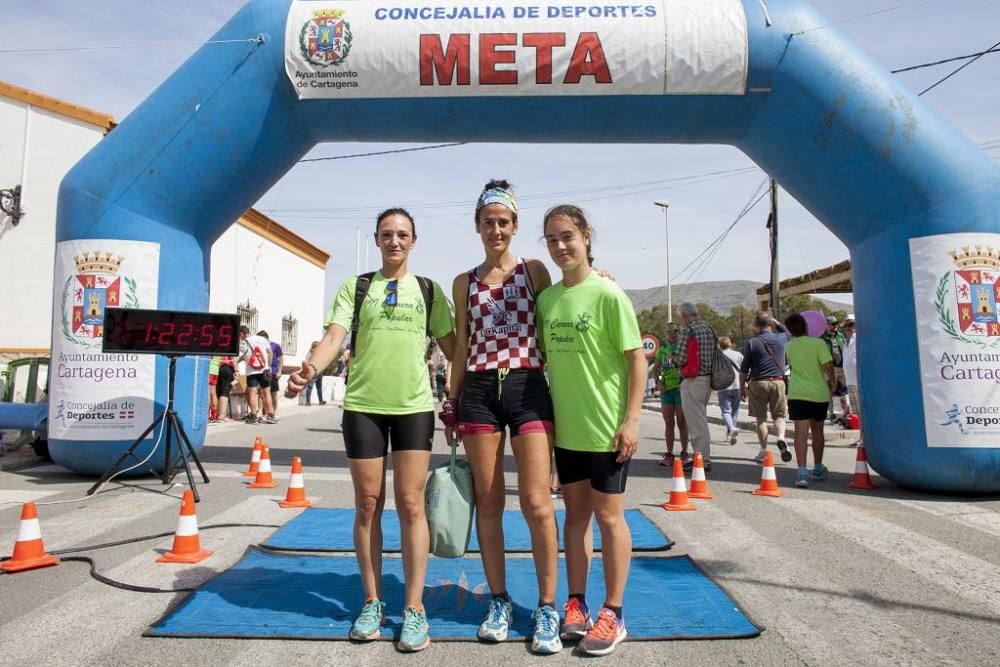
x,y
666,229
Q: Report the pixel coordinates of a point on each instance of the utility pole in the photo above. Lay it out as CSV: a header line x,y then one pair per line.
x,y
772,225
666,230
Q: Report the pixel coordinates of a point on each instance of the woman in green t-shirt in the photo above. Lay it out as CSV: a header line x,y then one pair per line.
x,y
809,389
388,402
668,379
597,374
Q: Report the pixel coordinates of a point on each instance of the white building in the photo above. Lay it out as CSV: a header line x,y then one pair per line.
x,y
274,277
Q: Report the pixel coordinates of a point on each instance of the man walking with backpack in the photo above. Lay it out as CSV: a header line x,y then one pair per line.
x,y
255,351
696,347
762,381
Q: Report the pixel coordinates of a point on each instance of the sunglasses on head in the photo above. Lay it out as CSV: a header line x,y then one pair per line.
x,y
391,292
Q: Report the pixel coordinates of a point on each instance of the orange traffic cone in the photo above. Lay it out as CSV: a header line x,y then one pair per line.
x,y
187,546
768,479
296,496
254,458
699,485
862,480
29,552
264,480
678,501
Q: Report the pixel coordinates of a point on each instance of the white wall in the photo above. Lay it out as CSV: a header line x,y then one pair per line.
x,y
276,281
37,148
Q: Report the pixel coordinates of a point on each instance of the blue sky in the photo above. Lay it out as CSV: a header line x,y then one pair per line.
x,y
630,229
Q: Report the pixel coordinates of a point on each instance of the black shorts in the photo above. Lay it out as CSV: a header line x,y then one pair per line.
x,y
520,402
274,383
601,468
225,382
799,410
256,380
367,435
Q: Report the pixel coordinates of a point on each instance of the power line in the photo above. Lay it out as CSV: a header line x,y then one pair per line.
x,y
259,39
862,16
946,60
392,152
957,70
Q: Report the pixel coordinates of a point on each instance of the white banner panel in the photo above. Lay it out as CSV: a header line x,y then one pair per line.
x,y
956,291
436,48
95,396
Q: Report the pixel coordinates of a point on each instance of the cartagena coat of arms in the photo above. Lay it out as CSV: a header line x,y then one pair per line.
x,y
971,315
326,38
96,285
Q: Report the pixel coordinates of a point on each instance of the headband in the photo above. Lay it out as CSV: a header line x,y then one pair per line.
x,y
497,196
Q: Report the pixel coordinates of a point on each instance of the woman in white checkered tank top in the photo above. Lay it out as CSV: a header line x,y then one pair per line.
x,y
497,384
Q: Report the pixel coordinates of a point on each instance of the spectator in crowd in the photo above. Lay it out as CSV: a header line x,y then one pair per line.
x,y
277,360
223,386
668,379
441,373
851,369
729,398
809,389
696,347
763,381
836,343
316,382
213,378
255,352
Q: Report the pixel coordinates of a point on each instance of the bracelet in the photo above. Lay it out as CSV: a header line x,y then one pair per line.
x,y
313,366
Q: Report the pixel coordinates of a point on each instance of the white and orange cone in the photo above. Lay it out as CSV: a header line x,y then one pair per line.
x,y
678,500
187,546
296,496
862,479
254,458
29,551
768,479
699,484
264,479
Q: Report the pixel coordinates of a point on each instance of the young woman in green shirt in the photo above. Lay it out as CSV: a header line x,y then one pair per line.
x,y
597,375
388,403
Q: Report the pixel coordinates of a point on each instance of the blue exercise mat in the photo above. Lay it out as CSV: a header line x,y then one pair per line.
x,y
269,595
331,530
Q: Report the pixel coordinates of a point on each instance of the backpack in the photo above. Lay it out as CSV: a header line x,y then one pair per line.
x,y
449,500
361,291
722,368
256,359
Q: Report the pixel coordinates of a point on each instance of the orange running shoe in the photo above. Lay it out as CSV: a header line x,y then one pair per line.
x,y
605,635
576,620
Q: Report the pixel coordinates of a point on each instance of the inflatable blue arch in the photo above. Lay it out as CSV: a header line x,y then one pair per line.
x,y
915,201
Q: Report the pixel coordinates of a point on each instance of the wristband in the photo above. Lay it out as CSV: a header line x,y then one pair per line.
x,y
312,366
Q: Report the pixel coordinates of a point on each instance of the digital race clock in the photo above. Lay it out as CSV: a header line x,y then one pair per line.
x,y
171,332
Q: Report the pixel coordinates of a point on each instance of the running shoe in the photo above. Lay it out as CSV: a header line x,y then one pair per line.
x,y
786,455
707,465
576,620
760,456
545,639
251,419
802,481
667,460
269,420
498,621
605,635
734,437
414,635
556,492
686,460
819,472
367,626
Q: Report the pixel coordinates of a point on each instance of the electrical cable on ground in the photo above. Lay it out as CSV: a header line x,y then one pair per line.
x,y
132,587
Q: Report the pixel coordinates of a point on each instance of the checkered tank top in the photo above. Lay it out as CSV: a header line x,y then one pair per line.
x,y
502,323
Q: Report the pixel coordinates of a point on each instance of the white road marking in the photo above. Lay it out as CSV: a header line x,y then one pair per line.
x,y
967,514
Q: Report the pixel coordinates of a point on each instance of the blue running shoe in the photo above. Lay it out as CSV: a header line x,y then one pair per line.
x,y
367,626
802,481
498,621
545,639
819,472
414,636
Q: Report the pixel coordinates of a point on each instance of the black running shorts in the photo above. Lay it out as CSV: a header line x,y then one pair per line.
x,y
520,401
600,468
225,382
799,410
368,435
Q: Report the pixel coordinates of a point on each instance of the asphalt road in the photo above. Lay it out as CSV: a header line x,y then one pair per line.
x,y
837,576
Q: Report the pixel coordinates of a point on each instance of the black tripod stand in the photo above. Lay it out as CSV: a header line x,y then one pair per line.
x,y
172,424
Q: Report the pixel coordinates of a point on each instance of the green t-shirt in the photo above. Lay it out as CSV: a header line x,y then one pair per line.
x,y
389,375
670,375
585,331
806,356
